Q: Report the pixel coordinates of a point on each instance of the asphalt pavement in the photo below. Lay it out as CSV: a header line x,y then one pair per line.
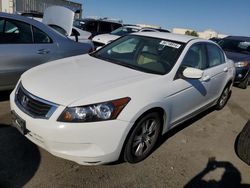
x,y
198,153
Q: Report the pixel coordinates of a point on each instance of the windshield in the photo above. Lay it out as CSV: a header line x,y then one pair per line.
x,y
124,31
237,46
146,54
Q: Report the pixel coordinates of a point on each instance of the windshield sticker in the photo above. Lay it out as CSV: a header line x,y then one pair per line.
x,y
170,44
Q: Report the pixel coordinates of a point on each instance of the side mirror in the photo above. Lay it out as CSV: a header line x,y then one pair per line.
x,y
192,73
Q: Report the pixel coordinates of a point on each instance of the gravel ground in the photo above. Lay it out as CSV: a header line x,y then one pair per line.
x,y
198,153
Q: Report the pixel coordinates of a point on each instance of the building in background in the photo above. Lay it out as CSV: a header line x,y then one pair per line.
x,y
14,6
207,34
6,6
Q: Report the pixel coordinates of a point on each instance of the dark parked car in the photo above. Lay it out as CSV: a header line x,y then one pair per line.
x,y
217,40
97,26
242,144
25,43
237,48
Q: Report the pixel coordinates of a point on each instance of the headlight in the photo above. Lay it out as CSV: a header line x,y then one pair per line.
x,y
241,64
94,112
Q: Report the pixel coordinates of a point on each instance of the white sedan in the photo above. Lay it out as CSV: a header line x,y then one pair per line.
x,y
117,102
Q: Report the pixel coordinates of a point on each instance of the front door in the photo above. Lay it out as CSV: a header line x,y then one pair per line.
x,y
190,94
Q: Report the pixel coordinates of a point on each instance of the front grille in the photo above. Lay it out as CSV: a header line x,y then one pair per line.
x,y
32,105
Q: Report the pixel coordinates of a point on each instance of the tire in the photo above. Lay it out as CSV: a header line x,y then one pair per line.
x,y
243,144
143,138
222,101
245,83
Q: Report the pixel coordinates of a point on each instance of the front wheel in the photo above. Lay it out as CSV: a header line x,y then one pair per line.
x,y
223,98
143,138
245,83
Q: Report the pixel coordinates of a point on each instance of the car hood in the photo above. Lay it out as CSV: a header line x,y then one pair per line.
x,y
236,57
105,38
68,80
60,16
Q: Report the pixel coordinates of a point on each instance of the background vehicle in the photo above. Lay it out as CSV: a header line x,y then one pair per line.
x,y
237,48
57,22
25,43
217,40
122,97
103,39
242,144
97,26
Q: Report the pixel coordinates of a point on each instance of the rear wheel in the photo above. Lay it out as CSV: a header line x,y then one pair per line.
x,y
143,138
223,98
243,144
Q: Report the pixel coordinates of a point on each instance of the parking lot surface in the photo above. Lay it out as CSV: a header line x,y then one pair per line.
x,y
199,152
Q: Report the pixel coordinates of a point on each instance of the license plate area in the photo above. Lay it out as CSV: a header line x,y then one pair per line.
x,y
18,123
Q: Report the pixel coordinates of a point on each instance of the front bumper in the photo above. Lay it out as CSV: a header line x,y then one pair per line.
x,y
85,143
241,74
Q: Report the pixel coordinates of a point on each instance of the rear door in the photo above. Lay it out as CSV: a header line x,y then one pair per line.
x,y
217,70
22,46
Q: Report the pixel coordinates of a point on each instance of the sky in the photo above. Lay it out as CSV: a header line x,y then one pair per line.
x,y
230,17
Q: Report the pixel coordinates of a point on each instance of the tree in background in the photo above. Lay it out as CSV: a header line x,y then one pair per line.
x,y
191,33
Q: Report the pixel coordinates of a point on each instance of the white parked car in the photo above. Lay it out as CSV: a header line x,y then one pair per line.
x,y
61,19
118,101
103,39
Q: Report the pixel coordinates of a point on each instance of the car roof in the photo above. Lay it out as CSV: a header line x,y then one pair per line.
x,y
142,28
133,26
18,17
168,36
242,38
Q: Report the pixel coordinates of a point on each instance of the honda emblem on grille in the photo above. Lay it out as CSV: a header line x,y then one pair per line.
x,y
24,101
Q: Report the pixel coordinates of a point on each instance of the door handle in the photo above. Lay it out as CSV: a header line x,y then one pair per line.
x,y
43,51
225,69
206,78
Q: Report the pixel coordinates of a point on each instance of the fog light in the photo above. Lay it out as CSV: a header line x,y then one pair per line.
x,y
239,75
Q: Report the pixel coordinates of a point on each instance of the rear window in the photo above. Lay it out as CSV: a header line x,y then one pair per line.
x,y
90,26
40,36
124,31
104,27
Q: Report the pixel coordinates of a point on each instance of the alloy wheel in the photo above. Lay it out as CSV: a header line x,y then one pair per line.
x,y
145,137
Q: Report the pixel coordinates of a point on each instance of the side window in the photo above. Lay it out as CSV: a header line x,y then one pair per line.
x,y
11,28
91,26
195,57
215,55
15,32
40,36
105,27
